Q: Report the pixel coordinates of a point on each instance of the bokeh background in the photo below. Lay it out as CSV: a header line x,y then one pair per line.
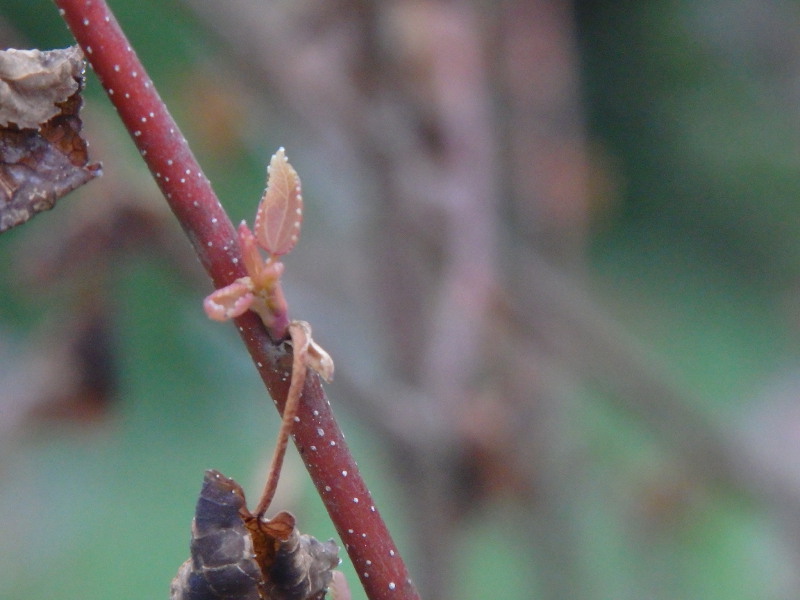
x,y
553,248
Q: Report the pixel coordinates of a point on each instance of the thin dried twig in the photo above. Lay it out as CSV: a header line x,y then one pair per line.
x,y
287,424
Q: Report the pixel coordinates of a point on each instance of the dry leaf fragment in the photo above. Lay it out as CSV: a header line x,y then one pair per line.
x,y
309,352
32,83
223,565
280,213
236,556
338,587
301,567
42,155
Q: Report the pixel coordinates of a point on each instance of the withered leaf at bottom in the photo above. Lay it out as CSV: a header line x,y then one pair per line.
x,y
301,567
223,565
237,557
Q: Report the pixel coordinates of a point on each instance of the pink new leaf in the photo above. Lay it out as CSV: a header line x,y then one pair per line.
x,y
280,212
229,302
253,262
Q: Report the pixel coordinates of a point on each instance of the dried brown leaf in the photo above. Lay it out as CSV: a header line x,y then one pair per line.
x,y
42,155
236,556
223,565
33,83
312,354
301,568
280,213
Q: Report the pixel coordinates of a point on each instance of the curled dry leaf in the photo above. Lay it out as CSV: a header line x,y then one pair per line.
x,y
236,556
33,82
299,565
42,155
310,353
280,213
223,564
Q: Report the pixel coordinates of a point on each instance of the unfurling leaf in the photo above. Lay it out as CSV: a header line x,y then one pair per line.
x,y
42,155
228,302
236,556
280,213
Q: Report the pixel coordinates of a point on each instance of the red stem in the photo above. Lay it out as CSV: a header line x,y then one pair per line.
x,y
316,434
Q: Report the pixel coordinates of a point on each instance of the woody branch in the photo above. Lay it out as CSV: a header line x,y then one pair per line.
x,y
213,237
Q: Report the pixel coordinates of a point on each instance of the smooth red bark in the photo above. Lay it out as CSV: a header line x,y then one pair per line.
x,y
189,194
